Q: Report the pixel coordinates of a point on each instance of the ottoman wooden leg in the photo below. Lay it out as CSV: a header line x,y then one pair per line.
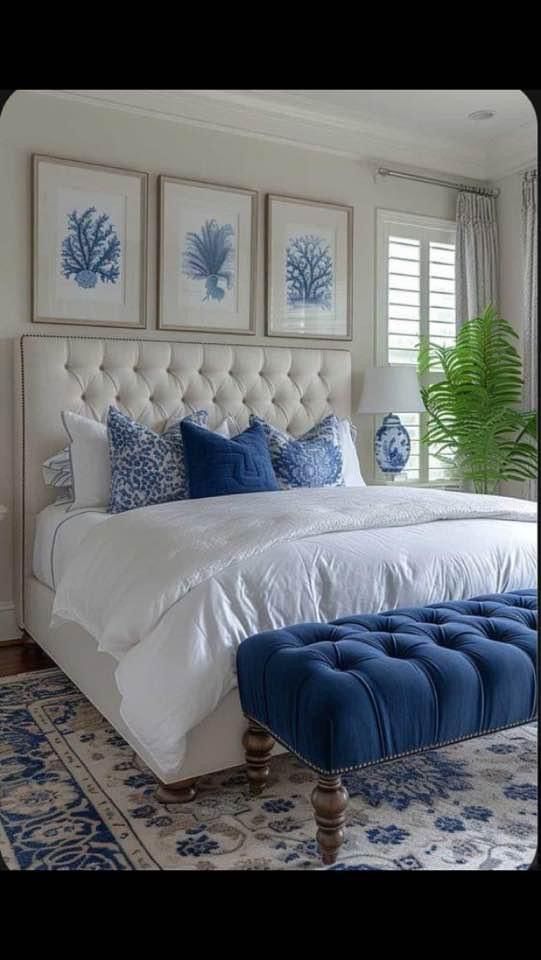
x,y
330,799
181,792
258,746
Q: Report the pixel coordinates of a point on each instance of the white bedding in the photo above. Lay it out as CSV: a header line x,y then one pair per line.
x,y
170,591
57,536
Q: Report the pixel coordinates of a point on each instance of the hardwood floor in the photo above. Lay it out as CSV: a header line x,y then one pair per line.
x,y
22,656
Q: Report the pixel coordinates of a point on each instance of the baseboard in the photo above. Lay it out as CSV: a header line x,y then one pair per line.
x,y
8,622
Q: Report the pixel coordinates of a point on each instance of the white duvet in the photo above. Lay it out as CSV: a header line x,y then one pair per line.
x,y
170,591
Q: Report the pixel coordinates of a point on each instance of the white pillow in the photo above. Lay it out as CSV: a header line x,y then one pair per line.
x,y
89,456
350,461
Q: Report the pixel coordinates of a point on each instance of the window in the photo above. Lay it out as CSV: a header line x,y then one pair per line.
x,y
415,297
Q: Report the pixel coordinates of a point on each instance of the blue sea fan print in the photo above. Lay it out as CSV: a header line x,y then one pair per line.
x,y
209,255
91,250
309,272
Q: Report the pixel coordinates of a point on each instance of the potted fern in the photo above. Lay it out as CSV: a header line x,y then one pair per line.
x,y
474,424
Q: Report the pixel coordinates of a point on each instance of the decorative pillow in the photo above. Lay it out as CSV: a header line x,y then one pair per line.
x,y
146,467
313,460
56,470
89,459
217,466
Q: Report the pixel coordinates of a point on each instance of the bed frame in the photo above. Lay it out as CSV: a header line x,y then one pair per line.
x,y
149,380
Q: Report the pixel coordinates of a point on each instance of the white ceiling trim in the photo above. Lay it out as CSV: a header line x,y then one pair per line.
x,y
252,116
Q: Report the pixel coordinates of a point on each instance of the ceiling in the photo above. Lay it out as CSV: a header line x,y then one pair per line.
x,y
420,128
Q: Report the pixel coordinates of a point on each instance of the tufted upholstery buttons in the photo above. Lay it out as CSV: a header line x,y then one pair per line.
x,y
367,688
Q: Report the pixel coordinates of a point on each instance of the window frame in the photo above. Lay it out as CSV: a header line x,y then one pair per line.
x,y
412,226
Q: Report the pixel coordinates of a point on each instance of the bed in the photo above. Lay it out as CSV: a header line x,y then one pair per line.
x,y
152,644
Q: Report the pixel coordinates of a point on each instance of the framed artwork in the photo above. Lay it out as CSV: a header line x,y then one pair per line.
x,y
309,268
208,237
89,240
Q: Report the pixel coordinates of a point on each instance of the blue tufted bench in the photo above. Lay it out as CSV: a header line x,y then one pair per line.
x,y
364,689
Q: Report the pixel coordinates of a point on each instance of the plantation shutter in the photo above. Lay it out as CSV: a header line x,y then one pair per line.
x,y
416,297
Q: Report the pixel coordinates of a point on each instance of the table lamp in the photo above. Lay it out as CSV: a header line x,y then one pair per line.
x,y
386,389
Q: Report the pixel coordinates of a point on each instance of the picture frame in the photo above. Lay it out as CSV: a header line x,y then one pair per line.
x,y
309,269
208,256
89,239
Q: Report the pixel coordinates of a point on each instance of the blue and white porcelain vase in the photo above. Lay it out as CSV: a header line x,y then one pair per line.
x,y
392,445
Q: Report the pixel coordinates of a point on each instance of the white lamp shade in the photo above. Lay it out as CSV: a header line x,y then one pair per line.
x,y
390,389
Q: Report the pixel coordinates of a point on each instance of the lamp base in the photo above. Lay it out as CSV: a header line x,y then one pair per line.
x,y
392,446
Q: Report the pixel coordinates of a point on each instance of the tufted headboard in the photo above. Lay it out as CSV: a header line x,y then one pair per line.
x,y
150,380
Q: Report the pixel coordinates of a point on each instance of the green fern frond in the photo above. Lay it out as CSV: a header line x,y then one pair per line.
x,y
474,423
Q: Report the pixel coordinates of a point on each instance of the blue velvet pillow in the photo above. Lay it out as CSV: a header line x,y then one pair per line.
x,y
146,467
217,467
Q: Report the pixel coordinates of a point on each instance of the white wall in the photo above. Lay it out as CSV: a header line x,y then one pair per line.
x,y
34,123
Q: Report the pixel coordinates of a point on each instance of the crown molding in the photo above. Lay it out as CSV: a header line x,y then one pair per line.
x,y
338,134
250,116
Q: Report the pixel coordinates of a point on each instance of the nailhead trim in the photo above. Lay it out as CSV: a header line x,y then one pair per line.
x,y
393,756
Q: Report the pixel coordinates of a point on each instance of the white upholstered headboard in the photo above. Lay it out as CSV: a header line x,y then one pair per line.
x,y
150,380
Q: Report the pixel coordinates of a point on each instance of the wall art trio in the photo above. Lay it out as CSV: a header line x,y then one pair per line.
x,y
90,254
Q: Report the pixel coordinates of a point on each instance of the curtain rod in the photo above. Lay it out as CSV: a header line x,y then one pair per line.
x,y
484,191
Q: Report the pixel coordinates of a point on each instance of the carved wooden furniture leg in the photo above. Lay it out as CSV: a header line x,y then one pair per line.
x,y
258,746
181,792
330,799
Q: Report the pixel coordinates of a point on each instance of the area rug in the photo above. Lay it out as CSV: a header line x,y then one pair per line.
x,y
74,797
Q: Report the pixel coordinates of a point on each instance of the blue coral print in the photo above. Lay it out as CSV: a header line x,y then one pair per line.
x,y
209,256
91,249
309,273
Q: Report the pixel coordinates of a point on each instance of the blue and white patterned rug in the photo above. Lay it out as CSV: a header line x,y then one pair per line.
x,y
74,797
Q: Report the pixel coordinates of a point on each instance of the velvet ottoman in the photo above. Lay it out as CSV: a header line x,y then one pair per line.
x,y
370,688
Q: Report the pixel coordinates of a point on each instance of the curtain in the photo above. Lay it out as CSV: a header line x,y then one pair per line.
x,y
529,249
476,255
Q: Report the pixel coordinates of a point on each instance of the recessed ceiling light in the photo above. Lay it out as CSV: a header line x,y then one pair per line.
x,y
481,115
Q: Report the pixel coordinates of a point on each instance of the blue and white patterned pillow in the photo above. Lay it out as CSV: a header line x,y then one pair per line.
x,y
56,470
146,467
313,460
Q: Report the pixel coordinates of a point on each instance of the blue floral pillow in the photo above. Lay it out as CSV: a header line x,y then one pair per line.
x,y
313,460
146,467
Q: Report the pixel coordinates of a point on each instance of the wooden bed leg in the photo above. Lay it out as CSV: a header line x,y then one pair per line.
x,y
181,792
330,799
258,746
